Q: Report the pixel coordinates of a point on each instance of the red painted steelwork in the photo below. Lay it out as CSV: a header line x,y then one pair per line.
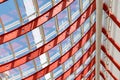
x,y
102,75
111,15
1,1
86,70
74,67
110,57
106,68
90,77
32,55
111,39
66,56
36,22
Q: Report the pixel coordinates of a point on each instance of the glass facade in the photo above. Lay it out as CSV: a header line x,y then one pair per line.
x,y
21,12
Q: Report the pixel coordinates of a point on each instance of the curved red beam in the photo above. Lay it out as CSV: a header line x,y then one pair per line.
x,y
75,66
102,75
110,57
2,1
32,55
111,15
111,39
66,56
85,71
106,68
35,22
92,74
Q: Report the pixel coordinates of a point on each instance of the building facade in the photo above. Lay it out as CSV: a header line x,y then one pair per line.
x,y
55,40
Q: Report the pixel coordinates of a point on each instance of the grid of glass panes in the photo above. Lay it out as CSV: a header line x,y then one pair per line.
x,y
23,48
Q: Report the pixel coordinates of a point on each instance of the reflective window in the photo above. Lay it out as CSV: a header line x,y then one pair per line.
x,y
13,74
66,45
44,5
87,25
5,53
78,55
71,77
54,54
20,46
46,77
63,20
86,3
43,60
1,30
58,71
57,1
30,11
79,70
35,42
87,45
9,15
68,63
27,69
75,10
38,63
50,30
77,35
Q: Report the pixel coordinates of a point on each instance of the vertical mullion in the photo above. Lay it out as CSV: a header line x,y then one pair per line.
x,y
57,30
42,32
71,36
82,29
26,36
13,54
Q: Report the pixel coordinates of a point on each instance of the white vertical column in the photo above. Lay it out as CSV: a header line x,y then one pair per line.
x,y
98,36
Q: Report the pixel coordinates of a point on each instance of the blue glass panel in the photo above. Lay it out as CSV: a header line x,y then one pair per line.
x,y
44,5
22,8
31,40
58,71
1,30
54,54
78,55
68,63
9,15
75,10
38,63
57,1
27,69
14,74
86,3
49,30
20,46
66,45
63,20
5,53
87,45
87,25
77,35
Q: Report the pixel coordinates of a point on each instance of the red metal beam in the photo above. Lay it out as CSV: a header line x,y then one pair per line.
x,y
75,66
102,75
32,55
85,71
1,1
110,57
111,15
66,56
90,77
116,45
106,68
35,22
